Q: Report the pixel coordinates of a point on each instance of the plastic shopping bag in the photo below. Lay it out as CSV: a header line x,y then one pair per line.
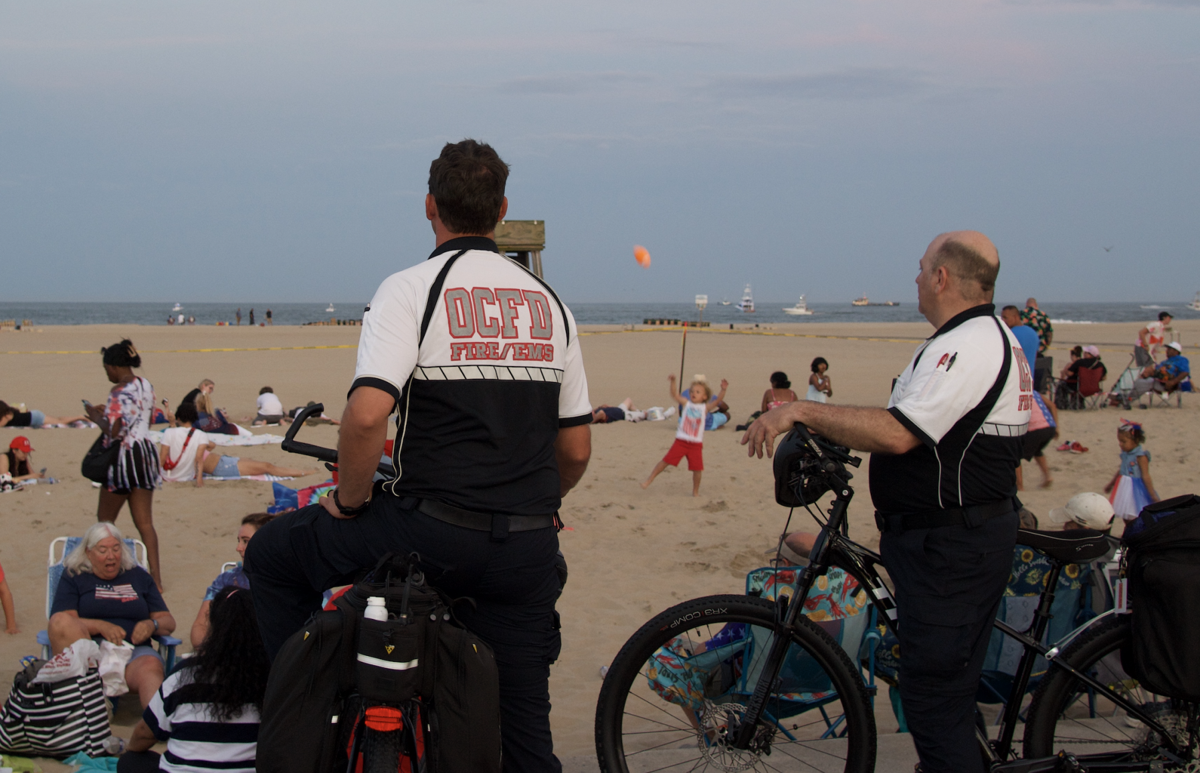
x,y
71,662
113,659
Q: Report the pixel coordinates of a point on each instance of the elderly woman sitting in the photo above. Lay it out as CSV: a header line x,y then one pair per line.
x,y
105,595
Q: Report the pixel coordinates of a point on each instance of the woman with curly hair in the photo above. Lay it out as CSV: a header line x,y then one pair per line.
x,y
208,709
125,419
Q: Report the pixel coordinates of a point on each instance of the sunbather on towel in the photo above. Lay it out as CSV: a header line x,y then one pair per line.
x,y
186,454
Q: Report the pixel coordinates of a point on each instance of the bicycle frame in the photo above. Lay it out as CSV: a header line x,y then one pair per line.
x,y
834,548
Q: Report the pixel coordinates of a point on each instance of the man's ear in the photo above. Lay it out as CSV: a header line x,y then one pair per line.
x,y
431,212
503,209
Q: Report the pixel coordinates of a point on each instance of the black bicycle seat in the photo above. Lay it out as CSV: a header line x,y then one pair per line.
x,y
1070,547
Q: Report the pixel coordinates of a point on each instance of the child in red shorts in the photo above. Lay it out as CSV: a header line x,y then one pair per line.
x,y
689,438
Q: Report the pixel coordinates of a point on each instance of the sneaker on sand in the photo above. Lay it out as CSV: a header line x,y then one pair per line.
x,y
1066,446
1078,448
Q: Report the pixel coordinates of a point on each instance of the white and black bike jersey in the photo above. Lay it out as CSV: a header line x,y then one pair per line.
x,y
483,392
967,396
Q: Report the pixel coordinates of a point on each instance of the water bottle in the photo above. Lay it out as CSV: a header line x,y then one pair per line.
x,y
114,745
376,609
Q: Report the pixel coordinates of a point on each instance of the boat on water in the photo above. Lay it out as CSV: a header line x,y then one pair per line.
x,y
1195,304
800,309
724,301
177,307
746,304
865,301
331,307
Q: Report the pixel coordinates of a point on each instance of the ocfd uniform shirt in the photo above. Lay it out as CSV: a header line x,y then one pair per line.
x,y
966,457
482,397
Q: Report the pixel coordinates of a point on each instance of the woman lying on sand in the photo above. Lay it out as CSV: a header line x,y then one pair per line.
x,y
185,454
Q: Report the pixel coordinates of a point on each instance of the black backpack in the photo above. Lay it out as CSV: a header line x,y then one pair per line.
x,y
1162,564
427,686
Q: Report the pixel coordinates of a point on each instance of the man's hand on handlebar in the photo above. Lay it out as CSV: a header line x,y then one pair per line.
x,y
761,434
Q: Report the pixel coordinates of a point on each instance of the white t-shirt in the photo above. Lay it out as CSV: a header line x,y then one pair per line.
x,y
691,422
1155,336
483,396
173,440
269,405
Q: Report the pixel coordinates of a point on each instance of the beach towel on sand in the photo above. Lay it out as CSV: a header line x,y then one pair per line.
x,y
263,477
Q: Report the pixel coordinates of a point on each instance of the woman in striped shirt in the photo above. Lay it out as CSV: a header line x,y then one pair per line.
x,y
208,709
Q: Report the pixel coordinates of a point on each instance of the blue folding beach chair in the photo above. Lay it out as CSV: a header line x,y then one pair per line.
x,y
59,548
729,664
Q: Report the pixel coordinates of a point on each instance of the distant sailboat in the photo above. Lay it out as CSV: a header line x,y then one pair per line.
x,y
746,304
1195,304
800,309
331,307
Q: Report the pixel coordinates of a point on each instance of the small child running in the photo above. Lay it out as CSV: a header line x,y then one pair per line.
x,y
689,438
1131,488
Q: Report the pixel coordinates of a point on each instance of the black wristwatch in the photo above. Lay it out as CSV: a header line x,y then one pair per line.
x,y
349,510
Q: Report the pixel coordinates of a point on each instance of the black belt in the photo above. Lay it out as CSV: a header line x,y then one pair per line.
x,y
972,517
498,524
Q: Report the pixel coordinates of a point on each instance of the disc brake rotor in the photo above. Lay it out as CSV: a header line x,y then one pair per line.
x,y
718,724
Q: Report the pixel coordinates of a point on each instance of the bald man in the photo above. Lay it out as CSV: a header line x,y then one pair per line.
x,y
943,481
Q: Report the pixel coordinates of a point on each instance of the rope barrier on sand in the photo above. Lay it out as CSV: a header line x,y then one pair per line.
x,y
753,333
201,351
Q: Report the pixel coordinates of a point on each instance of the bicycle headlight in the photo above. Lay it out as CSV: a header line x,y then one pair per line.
x,y
799,477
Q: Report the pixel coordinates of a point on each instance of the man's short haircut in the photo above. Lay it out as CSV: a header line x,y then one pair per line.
x,y
5,409
1010,308
258,520
969,267
207,382
1164,315
266,391
467,182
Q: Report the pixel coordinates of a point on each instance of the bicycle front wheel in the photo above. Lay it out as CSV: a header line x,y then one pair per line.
x,y
1067,715
678,690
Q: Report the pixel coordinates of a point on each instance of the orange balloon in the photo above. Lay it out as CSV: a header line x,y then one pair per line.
x,y
641,255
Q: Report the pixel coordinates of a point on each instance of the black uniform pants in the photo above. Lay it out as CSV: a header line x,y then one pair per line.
x,y
949,581
293,559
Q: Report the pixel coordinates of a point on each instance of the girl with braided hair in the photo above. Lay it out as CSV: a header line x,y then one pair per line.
x,y
208,709
125,419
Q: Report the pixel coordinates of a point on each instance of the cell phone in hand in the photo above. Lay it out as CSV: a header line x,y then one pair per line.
x,y
86,405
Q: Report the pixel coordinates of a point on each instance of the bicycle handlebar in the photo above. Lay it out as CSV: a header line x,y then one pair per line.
x,y
321,453
292,446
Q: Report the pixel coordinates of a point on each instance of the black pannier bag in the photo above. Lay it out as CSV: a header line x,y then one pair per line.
x,y
1162,564
438,680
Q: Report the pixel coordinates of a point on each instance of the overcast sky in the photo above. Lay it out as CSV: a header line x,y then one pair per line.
x,y
218,150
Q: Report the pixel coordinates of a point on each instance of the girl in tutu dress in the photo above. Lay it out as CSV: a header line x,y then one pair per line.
x,y
1131,488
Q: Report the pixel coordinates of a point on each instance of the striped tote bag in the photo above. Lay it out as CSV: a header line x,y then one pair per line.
x,y
55,720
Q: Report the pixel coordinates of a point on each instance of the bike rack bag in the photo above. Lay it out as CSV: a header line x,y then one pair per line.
x,y
1162,565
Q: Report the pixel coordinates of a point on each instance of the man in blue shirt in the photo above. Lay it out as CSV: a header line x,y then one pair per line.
x,y
1166,376
1025,335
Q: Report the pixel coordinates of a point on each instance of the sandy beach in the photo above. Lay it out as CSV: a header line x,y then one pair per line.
x,y
631,552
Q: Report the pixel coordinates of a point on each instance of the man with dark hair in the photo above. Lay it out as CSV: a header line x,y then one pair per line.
x,y
944,455
1152,336
483,362
1037,319
1025,335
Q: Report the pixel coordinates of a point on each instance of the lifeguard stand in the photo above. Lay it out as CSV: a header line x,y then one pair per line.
x,y
523,241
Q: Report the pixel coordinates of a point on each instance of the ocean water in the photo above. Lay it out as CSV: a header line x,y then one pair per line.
x,y
585,313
